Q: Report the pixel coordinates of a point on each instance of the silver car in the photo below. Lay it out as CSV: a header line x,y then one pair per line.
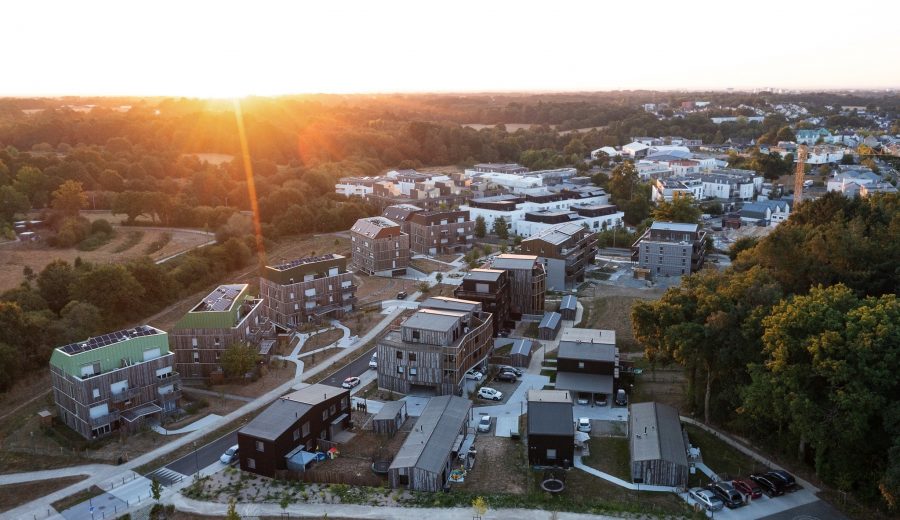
x,y
706,498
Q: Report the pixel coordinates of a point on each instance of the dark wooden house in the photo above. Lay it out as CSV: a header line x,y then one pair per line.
x,y
656,442
551,428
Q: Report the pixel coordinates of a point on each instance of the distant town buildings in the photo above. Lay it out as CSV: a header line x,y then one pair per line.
x,y
114,381
308,289
379,247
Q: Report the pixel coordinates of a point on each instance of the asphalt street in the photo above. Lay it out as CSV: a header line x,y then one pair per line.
x,y
818,510
356,368
205,455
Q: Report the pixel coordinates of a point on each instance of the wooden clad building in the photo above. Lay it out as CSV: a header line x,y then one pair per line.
x,y
551,428
379,247
390,418
527,283
490,287
308,289
656,442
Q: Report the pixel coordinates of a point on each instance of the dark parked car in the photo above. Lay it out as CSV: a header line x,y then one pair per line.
x,y
787,480
770,486
506,377
401,295
732,497
747,487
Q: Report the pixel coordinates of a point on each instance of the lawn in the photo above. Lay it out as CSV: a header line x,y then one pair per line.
x,y
719,456
14,495
322,339
610,455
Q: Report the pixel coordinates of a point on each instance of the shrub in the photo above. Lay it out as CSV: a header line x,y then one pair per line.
x,y
101,226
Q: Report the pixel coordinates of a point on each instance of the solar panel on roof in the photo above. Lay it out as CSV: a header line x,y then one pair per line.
x,y
108,339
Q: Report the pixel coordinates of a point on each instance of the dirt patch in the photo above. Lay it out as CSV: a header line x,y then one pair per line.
x,y
276,374
497,467
361,322
427,266
322,339
440,289
611,310
36,255
668,385
376,288
14,495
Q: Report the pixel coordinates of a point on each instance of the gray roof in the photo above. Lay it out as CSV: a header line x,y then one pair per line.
x,y
521,347
586,351
484,275
550,418
428,319
432,438
568,302
675,226
550,320
511,261
275,420
656,433
371,226
577,382
450,304
557,234
389,411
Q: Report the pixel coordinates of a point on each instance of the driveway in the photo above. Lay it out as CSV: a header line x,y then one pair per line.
x,y
766,507
514,406
605,413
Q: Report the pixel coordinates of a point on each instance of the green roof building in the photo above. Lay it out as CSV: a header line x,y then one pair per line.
x,y
114,381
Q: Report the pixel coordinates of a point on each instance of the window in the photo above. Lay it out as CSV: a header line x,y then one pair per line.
x,y
399,354
194,342
296,434
218,355
251,463
581,364
412,356
412,371
260,446
324,415
399,370
196,357
216,341
305,429
551,454
415,335
96,393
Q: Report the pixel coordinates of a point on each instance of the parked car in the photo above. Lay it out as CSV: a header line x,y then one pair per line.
x,y
706,498
502,334
583,398
731,496
584,425
373,363
600,399
401,295
506,377
770,486
350,382
507,368
787,480
230,455
474,375
490,394
747,487
621,398
484,425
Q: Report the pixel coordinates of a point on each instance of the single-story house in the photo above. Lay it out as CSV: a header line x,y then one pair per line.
x,y
390,418
568,307
550,325
520,353
426,457
657,445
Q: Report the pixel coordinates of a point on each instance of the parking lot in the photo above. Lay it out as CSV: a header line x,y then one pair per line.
x,y
765,506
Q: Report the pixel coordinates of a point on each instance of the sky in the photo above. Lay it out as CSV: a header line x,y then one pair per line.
x,y
225,48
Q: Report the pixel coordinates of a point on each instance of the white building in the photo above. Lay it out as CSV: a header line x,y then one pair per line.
x,y
734,119
730,184
769,212
608,150
544,211
635,150
355,186
668,189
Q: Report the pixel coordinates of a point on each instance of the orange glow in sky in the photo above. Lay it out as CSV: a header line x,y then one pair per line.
x,y
227,48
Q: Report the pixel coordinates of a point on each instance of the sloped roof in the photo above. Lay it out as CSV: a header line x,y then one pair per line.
x,y
429,444
568,302
550,320
656,433
550,418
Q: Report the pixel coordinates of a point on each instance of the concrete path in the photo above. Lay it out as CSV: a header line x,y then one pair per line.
x,y
29,476
368,512
515,406
213,393
619,482
194,426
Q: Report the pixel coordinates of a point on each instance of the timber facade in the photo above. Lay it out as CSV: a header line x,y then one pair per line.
x,y
308,290
527,283
441,232
114,381
379,247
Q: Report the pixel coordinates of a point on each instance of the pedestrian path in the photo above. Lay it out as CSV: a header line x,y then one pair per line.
x,y
619,482
199,424
30,476
213,393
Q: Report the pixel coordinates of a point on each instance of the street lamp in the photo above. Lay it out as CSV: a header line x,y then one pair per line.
x,y
196,461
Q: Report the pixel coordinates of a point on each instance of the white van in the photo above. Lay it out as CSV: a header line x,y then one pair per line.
x,y
373,363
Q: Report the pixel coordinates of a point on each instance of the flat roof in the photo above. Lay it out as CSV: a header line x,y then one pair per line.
x,y
389,410
577,382
221,299
315,393
589,335
111,338
451,304
550,418
431,441
586,351
656,433
553,396
674,226
511,261
304,261
429,319
274,420
484,275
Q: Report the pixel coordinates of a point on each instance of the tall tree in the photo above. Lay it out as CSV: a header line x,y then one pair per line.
x,y
239,359
12,202
111,288
499,228
69,198
480,227
681,209
53,283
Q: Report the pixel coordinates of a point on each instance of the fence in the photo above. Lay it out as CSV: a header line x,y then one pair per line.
x,y
331,477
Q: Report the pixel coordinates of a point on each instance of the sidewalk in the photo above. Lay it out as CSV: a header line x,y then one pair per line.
x,y
619,482
29,476
194,426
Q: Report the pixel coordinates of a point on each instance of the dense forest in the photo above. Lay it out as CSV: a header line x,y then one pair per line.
x,y
798,343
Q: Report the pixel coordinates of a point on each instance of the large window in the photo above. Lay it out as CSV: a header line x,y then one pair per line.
x,y
551,454
260,446
251,463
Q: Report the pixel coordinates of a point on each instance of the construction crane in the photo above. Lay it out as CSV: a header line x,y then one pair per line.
x,y
798,176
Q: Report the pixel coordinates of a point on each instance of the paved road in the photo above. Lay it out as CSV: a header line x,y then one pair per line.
x,y
818,510
205,455
356,368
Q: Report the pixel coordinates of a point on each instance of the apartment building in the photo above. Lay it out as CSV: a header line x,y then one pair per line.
x,y
227,315
114,381
670,249
527,283
589,206
440,232
355,186
308,289
490,288
379,247
432,350
401,214
565,250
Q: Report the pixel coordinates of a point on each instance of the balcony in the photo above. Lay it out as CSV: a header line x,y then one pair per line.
x,y
104,419
125,395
